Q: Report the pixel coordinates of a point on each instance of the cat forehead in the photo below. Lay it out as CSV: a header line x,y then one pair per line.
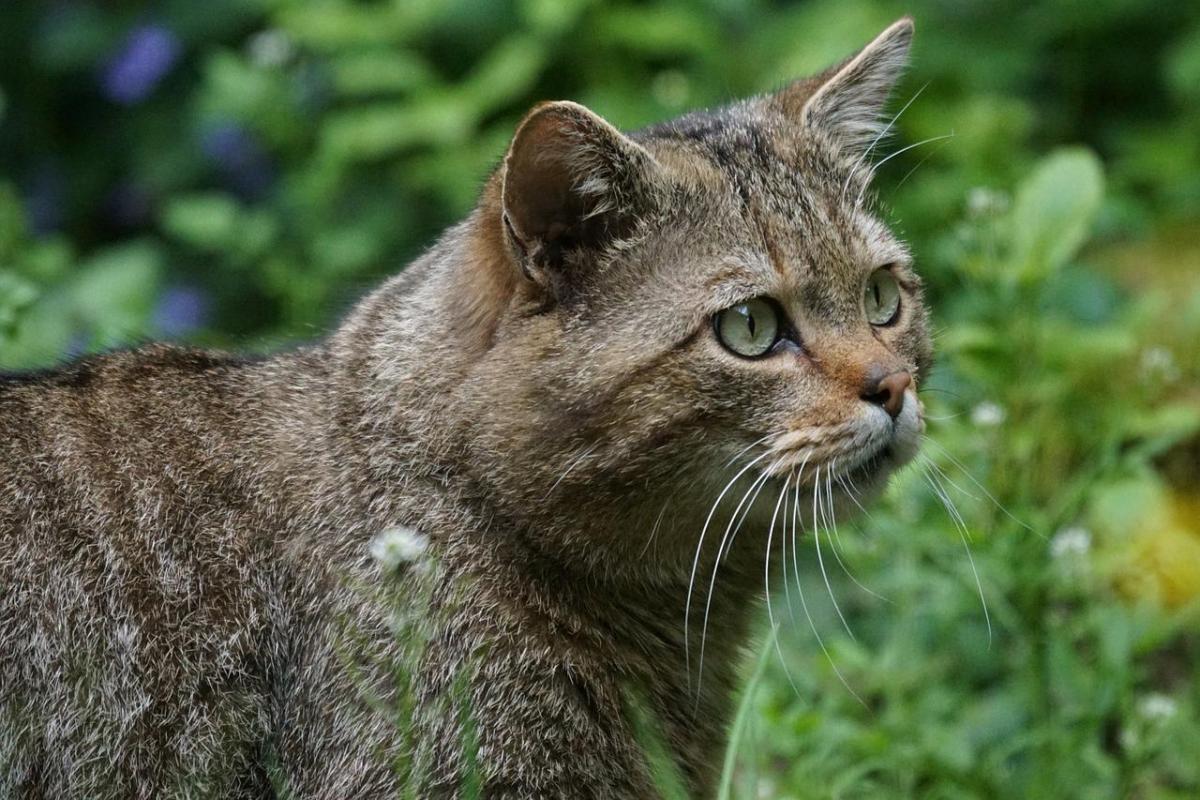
x,y
787,201
751,146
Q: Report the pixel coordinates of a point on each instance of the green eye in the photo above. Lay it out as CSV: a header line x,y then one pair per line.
x,y
881,297
749,329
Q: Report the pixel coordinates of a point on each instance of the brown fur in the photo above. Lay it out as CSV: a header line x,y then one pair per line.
x,y
189,605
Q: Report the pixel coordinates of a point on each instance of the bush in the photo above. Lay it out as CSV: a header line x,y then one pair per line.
x,y
235,173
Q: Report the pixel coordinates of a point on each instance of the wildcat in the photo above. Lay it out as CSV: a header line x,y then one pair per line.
x,y
554,399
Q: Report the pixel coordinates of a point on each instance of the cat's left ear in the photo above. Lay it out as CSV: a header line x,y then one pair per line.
x,y
572,183
847,101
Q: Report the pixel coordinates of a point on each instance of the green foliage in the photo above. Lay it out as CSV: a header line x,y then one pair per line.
x,y
235,172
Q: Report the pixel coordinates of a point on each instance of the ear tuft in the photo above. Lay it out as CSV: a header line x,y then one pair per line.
x,y
571,181
847,101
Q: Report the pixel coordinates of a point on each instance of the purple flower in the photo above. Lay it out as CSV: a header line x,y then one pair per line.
x,y
144,60
240,159
181,310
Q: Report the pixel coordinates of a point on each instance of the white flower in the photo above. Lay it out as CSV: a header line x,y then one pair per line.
x,y
399,545
982,201
270,48
1157,707
987,414
1071,542
671,88
1158,363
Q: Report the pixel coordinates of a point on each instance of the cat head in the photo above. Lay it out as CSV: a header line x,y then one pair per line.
x,y
711,294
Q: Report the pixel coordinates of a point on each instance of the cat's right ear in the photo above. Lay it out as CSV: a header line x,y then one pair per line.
x,y
572,184
847,101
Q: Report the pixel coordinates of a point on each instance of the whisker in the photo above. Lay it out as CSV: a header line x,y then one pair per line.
x,y
835,535
783,543
938,390
727,539
846,483
853,491
942,474
804,603
797,516
919,164
575,462
962,533
654,530
767,584
979,485
820,558
871,147
747,449
882,161
687,610
759,482
837,556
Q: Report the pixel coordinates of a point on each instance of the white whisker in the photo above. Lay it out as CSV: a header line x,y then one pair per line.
x,y
946,478
575,462
783,544
654,530
875,167
767,584
918,165
980,486
884,132
836,554
962,532
817,492
687,610
804,603
746,449
727,540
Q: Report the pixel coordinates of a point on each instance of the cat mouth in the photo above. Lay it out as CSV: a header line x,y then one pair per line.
x,y
870,467
846,468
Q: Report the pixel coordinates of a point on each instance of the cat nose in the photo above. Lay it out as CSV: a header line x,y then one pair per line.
x,y
887,391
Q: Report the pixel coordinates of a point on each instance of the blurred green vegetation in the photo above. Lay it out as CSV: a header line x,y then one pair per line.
x,y
236,172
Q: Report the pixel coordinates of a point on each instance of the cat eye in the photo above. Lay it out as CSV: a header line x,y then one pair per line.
x,y
748,329
881,297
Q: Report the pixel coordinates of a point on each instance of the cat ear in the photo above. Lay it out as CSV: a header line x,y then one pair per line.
x,y
571,182
847,101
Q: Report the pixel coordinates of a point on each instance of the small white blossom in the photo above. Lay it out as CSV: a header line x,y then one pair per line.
x,y
671,88
982,201
1158,363
987,414
270,48
399,545
1071,542
1157,707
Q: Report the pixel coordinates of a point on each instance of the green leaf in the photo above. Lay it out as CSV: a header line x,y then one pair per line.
x,y
115,291
744,712
381,72
16,294
380,130
42,335
205,221
1054,211
12,223
505,74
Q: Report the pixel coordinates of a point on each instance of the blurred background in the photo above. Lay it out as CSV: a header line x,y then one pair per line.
x,y
235,173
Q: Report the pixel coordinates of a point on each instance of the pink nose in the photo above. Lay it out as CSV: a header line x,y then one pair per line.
x,y
887,391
